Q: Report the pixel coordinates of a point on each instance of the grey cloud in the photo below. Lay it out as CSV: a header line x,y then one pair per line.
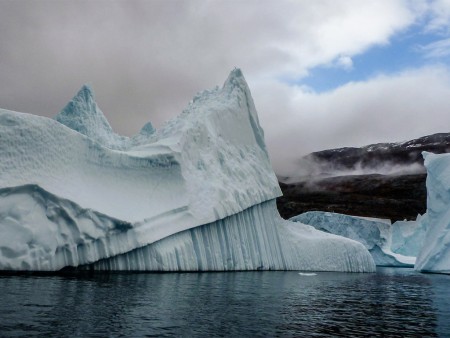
x,y
144,59
147,59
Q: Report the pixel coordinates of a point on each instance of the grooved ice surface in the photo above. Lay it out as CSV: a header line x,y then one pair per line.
x,y
73,192
390,245
255,239
435,253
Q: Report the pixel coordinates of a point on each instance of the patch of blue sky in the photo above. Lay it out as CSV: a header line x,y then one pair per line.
x,y
404,51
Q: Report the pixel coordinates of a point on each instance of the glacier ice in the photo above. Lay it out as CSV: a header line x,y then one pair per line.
x,y
390,245
84,116
254,239
74,193
434,255
43,232
407,236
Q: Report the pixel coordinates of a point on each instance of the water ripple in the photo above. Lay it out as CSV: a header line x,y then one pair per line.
x,y
390,303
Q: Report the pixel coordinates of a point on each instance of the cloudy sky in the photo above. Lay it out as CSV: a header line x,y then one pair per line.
x,y
323,73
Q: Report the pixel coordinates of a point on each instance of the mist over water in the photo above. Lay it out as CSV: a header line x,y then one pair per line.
x,y
391,302
309,168
391,159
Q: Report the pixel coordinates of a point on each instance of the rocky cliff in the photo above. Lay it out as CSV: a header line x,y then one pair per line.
x,y
385,180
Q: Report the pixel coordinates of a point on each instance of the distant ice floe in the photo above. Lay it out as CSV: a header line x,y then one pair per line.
x,y
390,245
307,274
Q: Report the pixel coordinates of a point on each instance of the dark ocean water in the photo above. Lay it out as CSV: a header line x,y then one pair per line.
x,y
391,302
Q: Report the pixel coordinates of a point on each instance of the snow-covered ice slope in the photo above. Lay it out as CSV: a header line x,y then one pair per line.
x,y
375,235
435,253
208,163
73,192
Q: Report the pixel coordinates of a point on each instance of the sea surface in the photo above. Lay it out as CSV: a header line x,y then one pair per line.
x,y
389,303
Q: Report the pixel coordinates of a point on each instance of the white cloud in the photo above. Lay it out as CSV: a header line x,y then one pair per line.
x,y
345,62
322,32
384,109
439,13
437,49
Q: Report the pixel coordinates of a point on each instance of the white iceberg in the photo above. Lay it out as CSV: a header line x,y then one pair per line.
x,y
434,255
390,245
198,194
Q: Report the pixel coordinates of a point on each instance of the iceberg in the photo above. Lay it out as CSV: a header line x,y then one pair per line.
x,y
434,255
407,237
390,245
195,195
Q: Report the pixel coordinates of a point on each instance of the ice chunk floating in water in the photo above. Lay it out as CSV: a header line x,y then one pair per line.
x,y
390,245
198,194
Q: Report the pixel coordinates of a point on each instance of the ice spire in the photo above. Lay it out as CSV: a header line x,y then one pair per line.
x,y
83,115
236,85
147,129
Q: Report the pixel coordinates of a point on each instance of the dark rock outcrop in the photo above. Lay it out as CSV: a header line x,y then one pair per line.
x,y
393,197
384,180
374,158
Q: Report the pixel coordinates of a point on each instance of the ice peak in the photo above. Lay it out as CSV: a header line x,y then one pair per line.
x,y
236,80
236,72
82,102
147,129
235,85
84,116
86,93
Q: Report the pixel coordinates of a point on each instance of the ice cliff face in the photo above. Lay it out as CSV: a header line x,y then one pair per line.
x,y
390,245
255,239
72,192
434,255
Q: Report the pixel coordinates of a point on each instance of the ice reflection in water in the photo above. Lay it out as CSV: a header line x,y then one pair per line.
x,y
392,302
